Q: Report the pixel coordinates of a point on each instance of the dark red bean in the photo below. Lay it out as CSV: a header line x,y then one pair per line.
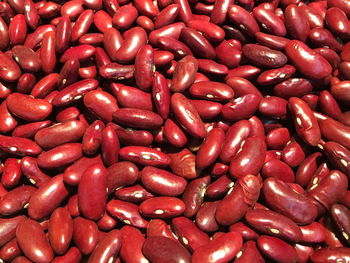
x,y
85,234
16,200
243,19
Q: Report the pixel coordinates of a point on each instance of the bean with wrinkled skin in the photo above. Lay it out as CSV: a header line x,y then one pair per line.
x,y
158,227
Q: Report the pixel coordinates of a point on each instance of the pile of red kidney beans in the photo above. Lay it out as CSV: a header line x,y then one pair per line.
x,y
174,131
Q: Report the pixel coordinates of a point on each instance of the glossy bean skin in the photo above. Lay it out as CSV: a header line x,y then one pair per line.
x,y
264,57
335,131
249,253
340,214
329,253
205,90
60,156
234,137
132,251
293,154
313,66
101,103
73,255
48,197
134,194
16,199
11,174
159,249
92,137
110,146
81,53
274,76
121,174
340,90
173,134
187,116
330,188
229,244
17,30
184,74
136,118
286,201
60,230
188,233
32,172
276,249
194,194
10,251
38,249
329,105
158,227
293,87
74,92
26,58
107,248
254,150
337,155
126,212
274,224
162,182
162,207
92,192
304,121
28,108
144,67
8,228
61,133
337,21
307,168
270,21
63,34
85,234
297,24
243,19
19,146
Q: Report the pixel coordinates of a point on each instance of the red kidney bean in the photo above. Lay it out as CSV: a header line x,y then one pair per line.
x,y
219,187
297,24
313,65
10,251
183,164
162,207
337,21
327,254
26,58
137,118
30,169
293,154
17,30
60,156
9,70
283,199
60,230
241,108
70,113
16,200
92,192
68,131
313,233
274,224
276,249
73,255
243,19
210,148
184,74
223,249
39,249
206,90
304,121
337,155
102,21
28,108
101,103
48,197
19,146
132,251
158,248
264,57
274,76
11,174
81,53
85,234
276,139
63,34
246,232
44,86
270,21
126,212
307,168
158,227
198,43
339,215
144,67
335,131
249,253
250,159
162,182
8,228
134,194
166,16
293,87
5,37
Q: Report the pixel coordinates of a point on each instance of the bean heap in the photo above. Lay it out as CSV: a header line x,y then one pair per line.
x,y
174,131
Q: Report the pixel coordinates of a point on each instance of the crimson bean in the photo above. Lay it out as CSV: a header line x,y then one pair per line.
x,y
30,169
8,228
183,163
73,255
337,21
134,194
198,43
162,207
335,131
85,234
60,230
15,200
39,249
132,251
126,212
157,249
10,251
158,227
205,217
17,31
243,19
297,24
144,67
276,249
222,249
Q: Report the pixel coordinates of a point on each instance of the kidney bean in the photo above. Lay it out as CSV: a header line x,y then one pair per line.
x,y
106,223
253,153
144,67
85,234
132,251
183,164
63,34
293,87
81,53
137,118
19,146
283,199
205,90
39,249
184,74
26,58
339,215
277,249
8,228
162,182
48,197
219,187
313,233
171,30
274,76
134,194
293,154
60,230
207,109
337,155
73,255
162,58
330,188
243,19
15,200
60,156
11,174
246,232
337,21
270,21
162,207
296,23
92,192
307,168
198,43
9,70
126,212
158,248
228,244
45,85
210,148
158,227
249,253
173,134
10,251
30,169
17,31
313,66
166,16
264,57
277,138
